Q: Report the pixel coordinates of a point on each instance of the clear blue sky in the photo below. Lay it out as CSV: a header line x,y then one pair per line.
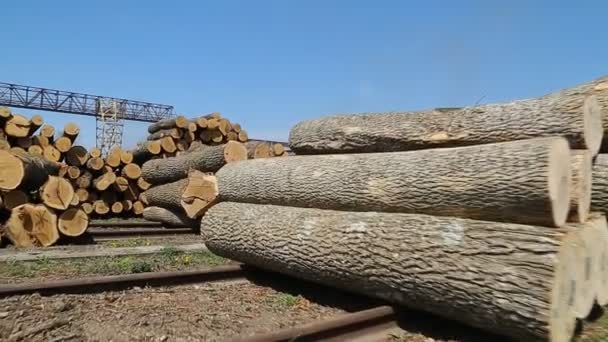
x,y
269,64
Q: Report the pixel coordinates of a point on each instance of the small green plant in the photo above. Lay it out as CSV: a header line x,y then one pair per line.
x,y
169,252
141,266
287,300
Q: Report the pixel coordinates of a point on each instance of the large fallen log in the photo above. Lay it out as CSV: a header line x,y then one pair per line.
x,y
32,225
170,218
73,222
57,193
24,170
475,272
167,195
145,151
205,158
574,115
526,181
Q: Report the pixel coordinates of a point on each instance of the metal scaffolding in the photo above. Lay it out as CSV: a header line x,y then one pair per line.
x,y
109,124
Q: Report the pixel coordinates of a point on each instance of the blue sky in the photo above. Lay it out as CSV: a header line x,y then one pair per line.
x,y
270,64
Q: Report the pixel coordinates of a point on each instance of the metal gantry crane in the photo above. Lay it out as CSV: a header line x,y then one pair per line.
x,y
109,112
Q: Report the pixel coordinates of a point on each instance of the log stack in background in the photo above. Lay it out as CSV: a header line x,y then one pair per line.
x,y
180,176
478,214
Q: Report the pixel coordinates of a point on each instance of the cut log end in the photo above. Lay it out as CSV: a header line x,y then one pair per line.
x,y
71,130
131,171
592,124
31,225
154,147
200,192
87,208
559,180
57,193
234,151
11,171
126,157
47,131
51,153
18,126
95,152
63,144
73,222
138,208
100,207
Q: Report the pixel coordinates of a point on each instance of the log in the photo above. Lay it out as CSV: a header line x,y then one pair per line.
x,y
171,132
232,136
71,131
100,207
17,150
35,150
4,145
168,144
208,159
36,121
142,184
600,227
25,171
104,181
200,193
278,149
213,123
57,193
127,205
162,124
17,126
73,222
166,195
113,157
525,181
77,156
87,208
83,194
214,115
51,153
182,122
117,208
95,152
169,218
47,131
138,208
131,171
142,198
575,116
243,136
599,184
224,127
14,198
41,140
580,190
5,114
63,170
95,164
132,192
201,122
24,143
85,179
121,184
32,225
126,157
63,144
75,202
258,149
475,272
73,172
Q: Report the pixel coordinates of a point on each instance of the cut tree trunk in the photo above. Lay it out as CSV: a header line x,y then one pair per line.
x,y
35,122
57,193
95,152
77,156
14,198
51,153
199,193
258,149
599,184
573,115
87,208
35,150
126,157
278,149
73,222
243,136
169,218
580,190
131,171
168,144
117,208
24,170
47,131
104,181
63,144
5,114
32,225
100,207
95,164
127,205
73,172
526,181
71,131
85,179
17,127
601,239
475,272
207,158
171,132
83,194
113,157
167,195
121,184
162,124
142,184
138,208
145,151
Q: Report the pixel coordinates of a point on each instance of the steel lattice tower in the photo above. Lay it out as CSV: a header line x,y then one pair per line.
x,y
109,124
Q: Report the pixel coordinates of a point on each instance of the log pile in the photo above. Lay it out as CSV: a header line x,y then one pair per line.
x,y
46,178
491,215
181,178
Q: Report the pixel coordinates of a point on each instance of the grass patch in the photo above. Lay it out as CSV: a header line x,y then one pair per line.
x,y
287,300
127,243
168,260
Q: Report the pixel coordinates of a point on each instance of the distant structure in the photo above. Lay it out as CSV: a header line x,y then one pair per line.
x,y
109,112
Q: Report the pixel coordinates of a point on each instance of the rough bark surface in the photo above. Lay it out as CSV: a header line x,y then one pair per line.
x,y
170,218
77,156
171,132
580,190
573,115
599,184
166,195
526,181
476,272
162,124
206,158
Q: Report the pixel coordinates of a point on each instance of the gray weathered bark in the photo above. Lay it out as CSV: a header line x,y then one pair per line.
x,y
580,190
167,196
572,114
170,218
526,181
510,279
206,158
599,184
162,124
171,132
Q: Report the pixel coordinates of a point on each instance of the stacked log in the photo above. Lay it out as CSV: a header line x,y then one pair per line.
x,y
502,227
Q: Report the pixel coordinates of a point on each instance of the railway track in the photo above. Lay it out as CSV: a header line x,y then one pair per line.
x,y
119,233
369,324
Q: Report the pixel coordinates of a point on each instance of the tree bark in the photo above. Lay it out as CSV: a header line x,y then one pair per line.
x,y
526,181
475,272
573,115
71,131
73,222
14,198
171,132
85,179
35,122
162,124
170,218
25,171
207,158
600,238
599,184
167,195
580,190
77,156
32,225
57,193
145,151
